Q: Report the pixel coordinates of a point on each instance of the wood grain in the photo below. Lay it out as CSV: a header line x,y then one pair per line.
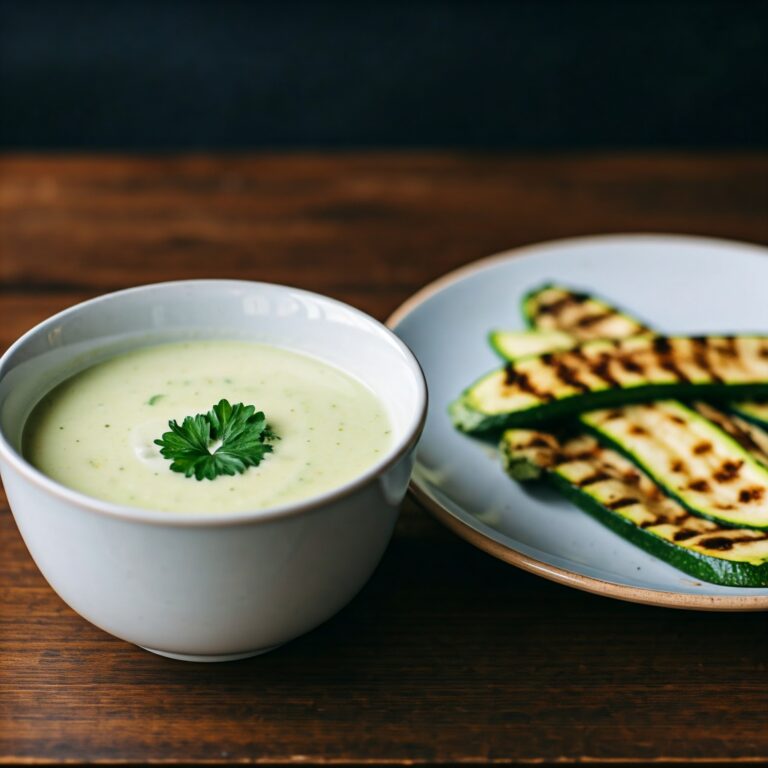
x,y
448,655
357,222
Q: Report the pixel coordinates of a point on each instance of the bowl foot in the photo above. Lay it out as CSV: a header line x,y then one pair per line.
x,y
207,658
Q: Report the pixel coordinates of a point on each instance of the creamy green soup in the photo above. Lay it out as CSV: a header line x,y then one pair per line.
x,y
95,432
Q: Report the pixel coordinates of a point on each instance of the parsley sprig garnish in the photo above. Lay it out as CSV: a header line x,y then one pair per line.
x,y
243,431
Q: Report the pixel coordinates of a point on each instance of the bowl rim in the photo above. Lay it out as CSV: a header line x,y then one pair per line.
x,y
397,450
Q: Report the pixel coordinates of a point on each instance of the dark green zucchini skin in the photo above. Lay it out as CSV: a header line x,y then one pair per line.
x,y
699,565
711,569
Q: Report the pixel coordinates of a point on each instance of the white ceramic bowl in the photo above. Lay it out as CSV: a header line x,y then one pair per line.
x,y
219,586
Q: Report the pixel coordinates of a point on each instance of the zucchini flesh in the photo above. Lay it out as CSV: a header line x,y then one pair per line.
x,y
749,436
753,410
690,458
585,317
600,373
513,345
611,489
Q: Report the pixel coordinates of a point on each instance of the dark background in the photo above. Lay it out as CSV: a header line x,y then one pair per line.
x,y
517,75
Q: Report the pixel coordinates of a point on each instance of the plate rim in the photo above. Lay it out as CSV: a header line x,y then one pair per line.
x,y
485,542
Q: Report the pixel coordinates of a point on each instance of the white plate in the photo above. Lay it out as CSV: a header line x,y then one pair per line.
x,y
678,284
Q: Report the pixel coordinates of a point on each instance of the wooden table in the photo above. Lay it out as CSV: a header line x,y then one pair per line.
x,y
447,656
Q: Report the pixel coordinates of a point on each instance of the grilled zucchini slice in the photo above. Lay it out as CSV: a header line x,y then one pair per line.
x,y
585,317
556,308
690,458
600,373
512,345
607,486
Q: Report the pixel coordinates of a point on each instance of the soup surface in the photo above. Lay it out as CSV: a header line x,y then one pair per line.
x,y
95,432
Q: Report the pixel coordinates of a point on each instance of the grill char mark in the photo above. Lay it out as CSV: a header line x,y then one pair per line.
x,y
724,543
598,367
521,380
597,477
729,425
664,351
631,477
755,493
538,442
701,357
569,376
729,347
585,455
589,320
729,470
717,543
625,501
558,305
670,365
741,436
630,365
602,370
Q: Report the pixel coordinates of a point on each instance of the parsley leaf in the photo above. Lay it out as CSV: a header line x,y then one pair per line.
x,y
242,431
